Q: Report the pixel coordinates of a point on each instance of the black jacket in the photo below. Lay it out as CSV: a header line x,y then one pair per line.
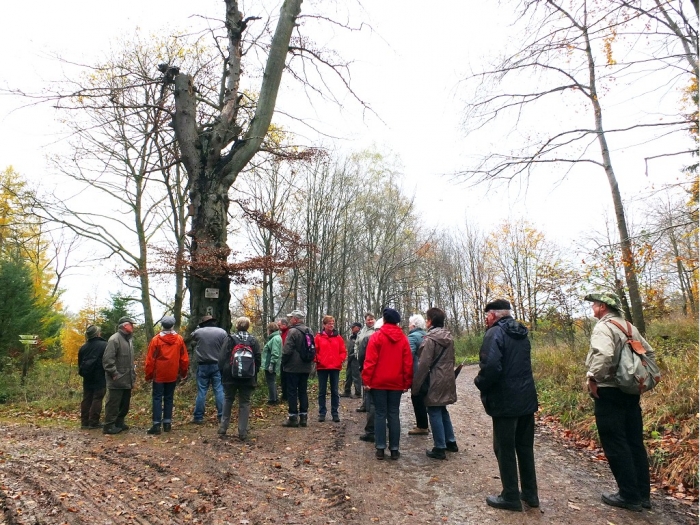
x,y
90,356
505,377
225,359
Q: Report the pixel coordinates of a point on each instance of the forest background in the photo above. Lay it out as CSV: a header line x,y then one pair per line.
x,y
311,223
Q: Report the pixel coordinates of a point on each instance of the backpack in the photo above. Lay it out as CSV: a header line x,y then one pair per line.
x,y
637,371
242,359
307,351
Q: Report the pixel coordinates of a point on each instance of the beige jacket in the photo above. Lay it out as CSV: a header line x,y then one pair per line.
x,y
607,340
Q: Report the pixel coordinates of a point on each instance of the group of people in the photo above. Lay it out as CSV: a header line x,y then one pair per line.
x,y
382,364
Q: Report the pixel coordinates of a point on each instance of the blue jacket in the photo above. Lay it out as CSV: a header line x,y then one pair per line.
x,y
505,377
415,338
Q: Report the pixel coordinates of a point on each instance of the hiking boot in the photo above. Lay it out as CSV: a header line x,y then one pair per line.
x,y
532,501
369,438
452,446
615,500
321,419
437,453
167,427
122,425
646,503
356,395
95,426
292,421
395,454
154,430
336,418
360,409
497,502
111,429
197,422
417,431
303,420
379,454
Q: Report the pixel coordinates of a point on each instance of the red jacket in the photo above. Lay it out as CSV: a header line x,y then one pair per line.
x,y
388,362
167,357
330,351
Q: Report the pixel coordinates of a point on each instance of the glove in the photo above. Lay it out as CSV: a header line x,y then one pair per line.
x,y
271,368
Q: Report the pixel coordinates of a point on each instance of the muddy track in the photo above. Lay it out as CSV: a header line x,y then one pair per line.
x,y
321,474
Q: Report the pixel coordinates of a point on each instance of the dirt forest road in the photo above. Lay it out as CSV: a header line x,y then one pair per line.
x,y
318,475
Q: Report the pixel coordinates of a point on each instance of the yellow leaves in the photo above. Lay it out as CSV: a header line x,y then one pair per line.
x,y
607,48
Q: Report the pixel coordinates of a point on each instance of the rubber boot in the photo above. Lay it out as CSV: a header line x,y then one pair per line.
x,y
292,421
303,418
154,430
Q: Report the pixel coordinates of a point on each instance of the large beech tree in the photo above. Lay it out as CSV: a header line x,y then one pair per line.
x,y
214,152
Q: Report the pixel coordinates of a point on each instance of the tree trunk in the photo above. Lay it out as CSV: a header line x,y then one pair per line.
x,y
628,260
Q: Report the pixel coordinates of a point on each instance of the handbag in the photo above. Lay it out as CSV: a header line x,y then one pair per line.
x,y
425,386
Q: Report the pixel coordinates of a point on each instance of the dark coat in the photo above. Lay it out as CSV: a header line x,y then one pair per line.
x,y
225,359
505,377
291,360
92,351
443,387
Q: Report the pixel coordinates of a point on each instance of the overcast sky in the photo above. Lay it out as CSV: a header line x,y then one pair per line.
x,y
408,68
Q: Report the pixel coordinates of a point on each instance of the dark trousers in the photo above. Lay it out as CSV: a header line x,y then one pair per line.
x,y
368,403
324,376
271,381
297,395
386,417
163,395
91,406
514,437
117,406
420,411
618,417
352,376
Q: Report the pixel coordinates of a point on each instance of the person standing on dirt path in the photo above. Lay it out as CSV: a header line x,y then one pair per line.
x,y
208,340
388,373
330,354
283,325
618,415
118,363
416,333
166,362
94,382
243,386
364,334
509,396
352,370
272,361
368,436
437,361
296,371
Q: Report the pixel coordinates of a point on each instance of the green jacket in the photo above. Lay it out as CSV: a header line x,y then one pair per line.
x,y
272,351
604,353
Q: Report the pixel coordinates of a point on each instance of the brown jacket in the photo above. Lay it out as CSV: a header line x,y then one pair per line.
x,y
443,388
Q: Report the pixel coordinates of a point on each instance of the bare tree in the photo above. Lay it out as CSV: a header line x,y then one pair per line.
x,y
569,47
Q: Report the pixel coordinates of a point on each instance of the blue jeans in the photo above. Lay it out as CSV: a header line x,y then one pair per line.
x,y
323,377
297,385
208,375
386,409
163,394
441,424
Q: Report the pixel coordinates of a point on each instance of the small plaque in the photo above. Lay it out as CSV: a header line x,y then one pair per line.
x,y
211,293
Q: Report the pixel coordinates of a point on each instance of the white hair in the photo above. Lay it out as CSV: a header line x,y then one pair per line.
x,y
417,321
379,323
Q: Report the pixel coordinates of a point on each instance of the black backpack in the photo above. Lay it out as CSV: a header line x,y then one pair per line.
x,y
307,350
242,358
